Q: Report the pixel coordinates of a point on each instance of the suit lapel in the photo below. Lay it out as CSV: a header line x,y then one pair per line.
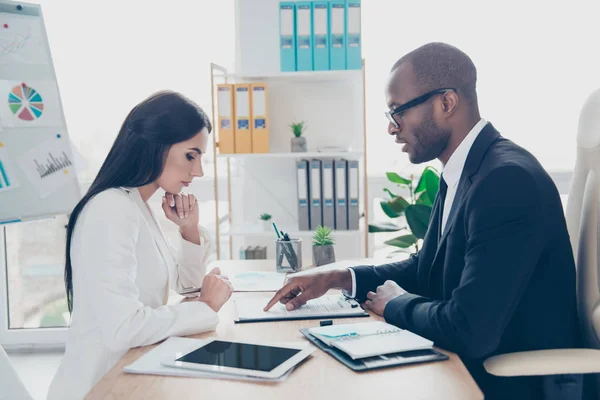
x,y
157,234
484,140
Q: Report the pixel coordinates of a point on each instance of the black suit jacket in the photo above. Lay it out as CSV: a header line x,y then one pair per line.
x,y
500,279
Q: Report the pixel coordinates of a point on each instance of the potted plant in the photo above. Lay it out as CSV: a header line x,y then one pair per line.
x,y
323,242
416,210
298,141
266,221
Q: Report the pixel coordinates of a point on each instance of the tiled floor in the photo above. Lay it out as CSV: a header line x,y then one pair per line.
x,y
36,370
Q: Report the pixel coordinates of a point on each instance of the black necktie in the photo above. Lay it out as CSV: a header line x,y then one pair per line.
x,y
442,199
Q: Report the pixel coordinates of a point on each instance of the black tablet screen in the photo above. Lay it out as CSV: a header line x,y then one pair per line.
x,y
239,355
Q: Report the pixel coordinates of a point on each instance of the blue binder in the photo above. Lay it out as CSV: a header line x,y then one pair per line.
x,y
304,40
320,26
337,34
287,36
353,39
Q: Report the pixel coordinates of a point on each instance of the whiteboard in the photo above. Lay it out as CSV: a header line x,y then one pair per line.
x,y
37,166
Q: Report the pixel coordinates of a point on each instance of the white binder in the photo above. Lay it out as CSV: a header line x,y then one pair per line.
x,y
303,195
316,209
328,205
353,195
340,197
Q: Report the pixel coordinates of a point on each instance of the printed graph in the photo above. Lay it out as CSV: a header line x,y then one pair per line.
x,y
52,164
21,40
25,102
7,178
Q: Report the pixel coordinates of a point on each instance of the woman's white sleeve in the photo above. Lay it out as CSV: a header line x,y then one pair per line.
x,y
107,234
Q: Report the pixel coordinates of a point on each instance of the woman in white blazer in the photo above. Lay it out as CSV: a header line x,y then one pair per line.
x,y
119,267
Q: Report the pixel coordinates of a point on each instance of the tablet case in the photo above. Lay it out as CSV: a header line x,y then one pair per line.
x,y
377,362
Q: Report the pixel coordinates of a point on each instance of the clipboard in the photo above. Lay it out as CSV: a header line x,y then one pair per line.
x,y
351,310
377,362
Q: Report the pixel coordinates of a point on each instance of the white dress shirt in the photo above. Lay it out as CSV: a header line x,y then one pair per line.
x,y
451,174
122,272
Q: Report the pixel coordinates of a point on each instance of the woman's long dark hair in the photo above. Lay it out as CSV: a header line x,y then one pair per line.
x,y
138,153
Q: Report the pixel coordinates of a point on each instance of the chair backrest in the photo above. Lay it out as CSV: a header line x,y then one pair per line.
x,y
11,387
583,219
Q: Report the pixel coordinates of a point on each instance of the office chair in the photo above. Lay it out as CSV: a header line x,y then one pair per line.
x,y
11,387
583,223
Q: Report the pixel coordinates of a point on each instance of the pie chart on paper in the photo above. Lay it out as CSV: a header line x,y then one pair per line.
x,y
25,102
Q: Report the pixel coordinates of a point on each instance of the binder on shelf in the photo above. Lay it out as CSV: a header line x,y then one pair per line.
x,y
304,40
316,209
340,196
353,35
320,25
287,36
303,195
260,118
243,129
225,110
353,194
337,34
328,206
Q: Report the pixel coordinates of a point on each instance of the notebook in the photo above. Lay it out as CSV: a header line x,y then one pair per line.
x,y
368,339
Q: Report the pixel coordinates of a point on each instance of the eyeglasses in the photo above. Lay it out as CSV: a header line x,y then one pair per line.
x,y
413,103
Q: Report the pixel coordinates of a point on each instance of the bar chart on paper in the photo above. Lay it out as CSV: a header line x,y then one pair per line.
x,y
7,178
48,165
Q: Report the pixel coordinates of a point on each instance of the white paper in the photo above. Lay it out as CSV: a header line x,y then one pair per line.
x,y
337,20
258,102
302,184
340,181
287,22
315,182
49,166
30,104
257,281
242,100
328,305
225,102
354,20
303,21
151,362
21,40
328,182
8,179
353,182
320,21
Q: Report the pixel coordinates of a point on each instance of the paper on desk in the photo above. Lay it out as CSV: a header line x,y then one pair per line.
x,y
328,305
151,362
257,281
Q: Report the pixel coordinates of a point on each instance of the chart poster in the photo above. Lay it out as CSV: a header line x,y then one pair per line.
x,y
49,166
22,40
32,104
8,179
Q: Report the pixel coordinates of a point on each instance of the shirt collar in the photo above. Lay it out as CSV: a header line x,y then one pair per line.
x,y
453,168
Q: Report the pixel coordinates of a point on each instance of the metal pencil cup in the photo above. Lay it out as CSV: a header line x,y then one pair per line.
x,y
288,255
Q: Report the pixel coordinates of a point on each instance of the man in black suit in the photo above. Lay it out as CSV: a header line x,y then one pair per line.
x,y
496,272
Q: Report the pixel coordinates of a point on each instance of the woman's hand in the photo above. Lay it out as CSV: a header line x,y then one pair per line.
x,y
216,290
182,209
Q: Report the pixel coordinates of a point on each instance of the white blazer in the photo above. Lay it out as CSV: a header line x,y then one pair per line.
x,y
122,271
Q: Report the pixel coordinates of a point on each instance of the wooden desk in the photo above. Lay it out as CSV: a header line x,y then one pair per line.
x,y
320,377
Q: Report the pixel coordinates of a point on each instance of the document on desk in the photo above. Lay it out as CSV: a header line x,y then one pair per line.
x,y
328,306
257,281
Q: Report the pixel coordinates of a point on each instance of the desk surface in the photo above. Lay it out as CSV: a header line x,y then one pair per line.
x,y
321,376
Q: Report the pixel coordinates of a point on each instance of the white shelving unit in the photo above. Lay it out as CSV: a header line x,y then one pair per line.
x,y
332,103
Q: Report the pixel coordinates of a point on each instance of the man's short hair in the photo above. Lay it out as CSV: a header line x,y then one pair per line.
x,y
440,65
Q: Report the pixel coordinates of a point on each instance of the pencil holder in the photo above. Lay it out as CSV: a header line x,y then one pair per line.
x,y
288,255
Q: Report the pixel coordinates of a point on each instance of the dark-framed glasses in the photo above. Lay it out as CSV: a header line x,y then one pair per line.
x,y
413,103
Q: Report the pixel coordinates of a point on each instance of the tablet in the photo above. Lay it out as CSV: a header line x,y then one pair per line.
x,y
242,358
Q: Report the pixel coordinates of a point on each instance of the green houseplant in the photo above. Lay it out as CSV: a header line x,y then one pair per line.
x,y
298,141
323,252
416,209
266,221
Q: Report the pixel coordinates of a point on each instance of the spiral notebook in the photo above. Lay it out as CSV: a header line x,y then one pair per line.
x,y
368,339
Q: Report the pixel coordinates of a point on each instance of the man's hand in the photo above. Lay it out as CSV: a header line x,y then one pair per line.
x,y
385,293
298,290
